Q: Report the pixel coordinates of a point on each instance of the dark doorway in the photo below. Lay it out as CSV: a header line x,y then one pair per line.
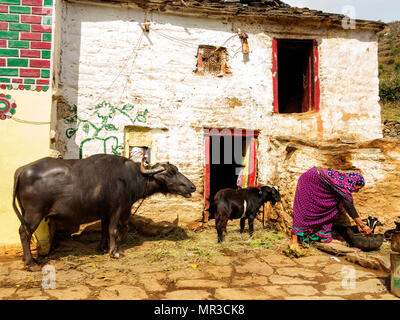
x,y
295,75
227,154
230,161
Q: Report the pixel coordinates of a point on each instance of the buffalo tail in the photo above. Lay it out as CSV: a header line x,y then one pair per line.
x,y
18,213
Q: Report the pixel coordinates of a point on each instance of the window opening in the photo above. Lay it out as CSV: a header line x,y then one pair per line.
x,y
295,76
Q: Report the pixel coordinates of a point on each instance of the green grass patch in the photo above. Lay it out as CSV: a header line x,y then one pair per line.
x,y
390,111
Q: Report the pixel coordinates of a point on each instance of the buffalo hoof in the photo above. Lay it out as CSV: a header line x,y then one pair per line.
x,y
117,255
33,267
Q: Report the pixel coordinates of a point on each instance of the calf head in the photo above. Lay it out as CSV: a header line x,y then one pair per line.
x,y
170,180
271,193
372,222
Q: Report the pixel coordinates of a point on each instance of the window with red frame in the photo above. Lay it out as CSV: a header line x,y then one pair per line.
x,y
295,75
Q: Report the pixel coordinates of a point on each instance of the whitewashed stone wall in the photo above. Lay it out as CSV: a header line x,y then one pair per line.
x,y
105,56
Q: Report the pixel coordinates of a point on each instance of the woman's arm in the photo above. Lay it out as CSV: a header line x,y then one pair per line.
x,y
351,210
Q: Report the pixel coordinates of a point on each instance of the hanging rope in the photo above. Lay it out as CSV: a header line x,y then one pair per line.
x,y
30,122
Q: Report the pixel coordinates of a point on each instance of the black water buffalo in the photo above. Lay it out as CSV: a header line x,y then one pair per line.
x,y
240,204
73,192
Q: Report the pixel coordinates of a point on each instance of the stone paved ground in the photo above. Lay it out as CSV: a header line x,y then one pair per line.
x,y
192,268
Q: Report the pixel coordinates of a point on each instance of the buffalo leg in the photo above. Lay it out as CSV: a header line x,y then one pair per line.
x,y
242,223
113,232
32,222
103,246
123,230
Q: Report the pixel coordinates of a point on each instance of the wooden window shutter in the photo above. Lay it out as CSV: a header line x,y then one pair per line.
x,y
316,86
275,74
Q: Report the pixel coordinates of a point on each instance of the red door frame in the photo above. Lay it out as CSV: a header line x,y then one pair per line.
x,y
314,90
207,145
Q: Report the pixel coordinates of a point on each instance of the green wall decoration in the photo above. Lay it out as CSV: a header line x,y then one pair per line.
x,y
106,112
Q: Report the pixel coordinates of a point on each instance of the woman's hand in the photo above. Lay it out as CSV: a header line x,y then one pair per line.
x,y
365,229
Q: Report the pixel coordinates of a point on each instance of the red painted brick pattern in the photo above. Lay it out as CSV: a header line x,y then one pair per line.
x,y
40,45
30,36
46,82
30,53
40,28
31,19
38,3
39,63
42,11
29,72
24,58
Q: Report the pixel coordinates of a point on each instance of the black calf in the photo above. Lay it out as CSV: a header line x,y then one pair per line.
x,y
240,204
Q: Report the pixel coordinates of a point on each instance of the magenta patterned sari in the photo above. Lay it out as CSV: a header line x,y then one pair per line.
x,y
318,201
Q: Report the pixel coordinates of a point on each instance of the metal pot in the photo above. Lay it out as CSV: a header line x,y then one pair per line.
x,y
367,243
395,246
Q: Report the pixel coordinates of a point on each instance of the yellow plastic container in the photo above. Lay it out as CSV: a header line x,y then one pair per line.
x,y
42,238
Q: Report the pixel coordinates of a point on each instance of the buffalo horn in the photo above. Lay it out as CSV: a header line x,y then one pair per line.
x,y
147,171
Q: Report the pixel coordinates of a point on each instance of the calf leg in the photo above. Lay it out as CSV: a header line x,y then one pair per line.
x,y
251,225
221,221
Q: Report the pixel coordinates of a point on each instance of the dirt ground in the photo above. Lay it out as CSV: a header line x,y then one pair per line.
x,y
183,265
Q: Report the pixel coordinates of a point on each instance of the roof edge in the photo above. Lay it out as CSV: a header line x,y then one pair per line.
x,y
310,17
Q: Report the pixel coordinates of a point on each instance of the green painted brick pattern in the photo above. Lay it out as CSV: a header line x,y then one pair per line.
x,y
46,37
10,2
12,62
9,71
9,17
23,10
9,35
18,44
16,69
46,54
46,20
45,73
19,27
9,53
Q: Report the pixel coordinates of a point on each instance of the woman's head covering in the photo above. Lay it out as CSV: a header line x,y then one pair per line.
x,y
344,183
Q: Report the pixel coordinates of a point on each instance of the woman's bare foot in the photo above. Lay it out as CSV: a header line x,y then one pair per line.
x,y
293,244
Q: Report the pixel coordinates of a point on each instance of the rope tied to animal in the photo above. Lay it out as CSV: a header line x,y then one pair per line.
x,y
144,197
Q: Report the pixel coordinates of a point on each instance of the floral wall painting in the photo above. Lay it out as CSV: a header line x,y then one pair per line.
x,y
100,131
7,106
